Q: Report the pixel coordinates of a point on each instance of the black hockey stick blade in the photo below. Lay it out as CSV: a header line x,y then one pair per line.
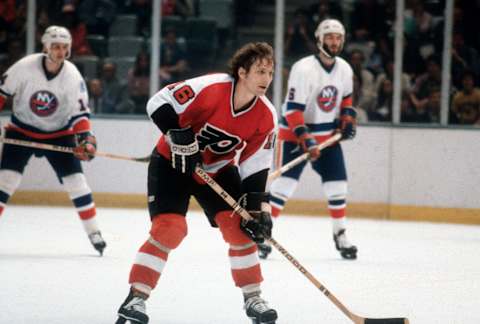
x,y
386,321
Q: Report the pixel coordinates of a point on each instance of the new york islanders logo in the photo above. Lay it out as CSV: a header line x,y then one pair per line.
x,y
43,103
327,98
216,139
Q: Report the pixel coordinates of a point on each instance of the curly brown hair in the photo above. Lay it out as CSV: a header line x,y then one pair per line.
x,y
247,55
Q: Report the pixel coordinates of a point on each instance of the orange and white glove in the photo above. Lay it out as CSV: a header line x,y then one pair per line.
x,y
307,141
86,146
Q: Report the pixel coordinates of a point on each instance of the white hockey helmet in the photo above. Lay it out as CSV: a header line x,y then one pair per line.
x,y
57,34
329,26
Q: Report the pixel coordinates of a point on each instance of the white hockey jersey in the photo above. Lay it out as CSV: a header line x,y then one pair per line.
x,y
43,107
316,93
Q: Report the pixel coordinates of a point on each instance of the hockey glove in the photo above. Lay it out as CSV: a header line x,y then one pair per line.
x,y
307,142
86,146
348,123
184,150
260,226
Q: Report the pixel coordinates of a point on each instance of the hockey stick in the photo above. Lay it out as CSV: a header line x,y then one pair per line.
x,y
275,174
243,213
66,149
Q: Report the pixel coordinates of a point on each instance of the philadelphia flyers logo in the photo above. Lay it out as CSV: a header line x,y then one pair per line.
x,y
43,103
327,98
216,139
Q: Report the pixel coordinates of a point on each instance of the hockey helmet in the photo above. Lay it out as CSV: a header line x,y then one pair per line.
x,y
57,34
328,26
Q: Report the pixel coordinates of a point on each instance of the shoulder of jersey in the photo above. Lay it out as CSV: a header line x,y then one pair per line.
x,y
71,68
305,63
209,79
270,107
342,62
30,59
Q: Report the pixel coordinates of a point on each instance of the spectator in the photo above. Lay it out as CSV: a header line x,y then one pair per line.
x,y
139,82
388,73
367,20
98,15
366,79
95,92
464,58
115,99
382,110
427,110
183,8
423,20
361,105
15,51
78,30
323,9
299,41
466,103
43,21
174,63
428,80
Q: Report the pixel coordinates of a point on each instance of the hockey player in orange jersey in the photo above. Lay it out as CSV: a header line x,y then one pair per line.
x,y
225,124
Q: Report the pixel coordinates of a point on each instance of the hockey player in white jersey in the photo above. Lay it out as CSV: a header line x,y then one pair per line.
x,y
318,104
50,106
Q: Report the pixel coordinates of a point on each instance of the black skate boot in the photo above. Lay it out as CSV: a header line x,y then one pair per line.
x,y
347,250
264,249
257,309
97,241
133,309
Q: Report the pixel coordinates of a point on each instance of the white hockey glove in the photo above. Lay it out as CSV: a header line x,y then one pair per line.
x,y
184,150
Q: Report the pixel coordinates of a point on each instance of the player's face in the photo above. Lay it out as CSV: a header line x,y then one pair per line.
x,y
58,52
333,42
259,77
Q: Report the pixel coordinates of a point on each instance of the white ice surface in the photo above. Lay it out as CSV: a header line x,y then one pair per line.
x,y
50,274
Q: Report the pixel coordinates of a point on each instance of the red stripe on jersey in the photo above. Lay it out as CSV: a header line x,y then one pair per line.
x,y
143,275
247,276
337,213
81,125
87,214
40,136
275,211
1,210
244,252
295,119
347,102
151,249
2,102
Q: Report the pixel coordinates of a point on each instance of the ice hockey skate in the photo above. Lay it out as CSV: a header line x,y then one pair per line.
x,y
97,241
133,309
259,312
264,249
347,250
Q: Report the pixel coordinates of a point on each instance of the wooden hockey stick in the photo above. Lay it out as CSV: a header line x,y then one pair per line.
x,y
66,149
275,174
243,213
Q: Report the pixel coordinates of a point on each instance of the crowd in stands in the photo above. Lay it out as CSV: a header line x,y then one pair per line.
x,y
111,47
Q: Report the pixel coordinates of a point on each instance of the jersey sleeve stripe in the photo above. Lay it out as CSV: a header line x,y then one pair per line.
x,y
291,106
347,101
3,92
